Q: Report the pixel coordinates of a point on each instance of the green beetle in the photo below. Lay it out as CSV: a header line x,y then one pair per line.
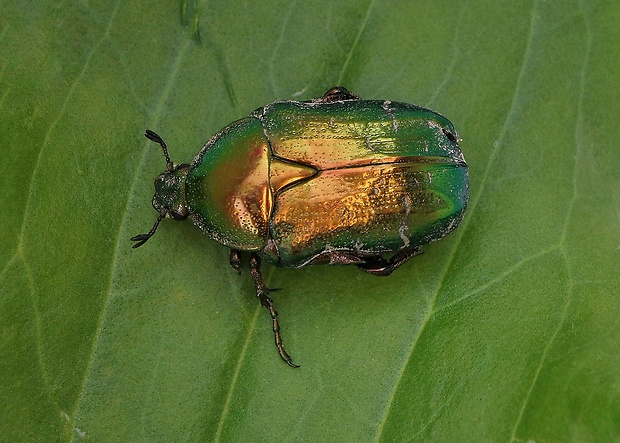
x,y
335,180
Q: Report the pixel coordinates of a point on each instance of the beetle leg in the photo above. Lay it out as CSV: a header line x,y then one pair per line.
x,y
262,292
235,260
337,94
335,258
383,267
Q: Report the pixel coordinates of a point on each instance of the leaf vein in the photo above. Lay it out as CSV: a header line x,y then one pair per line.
x,y
472,207
571,282
114,268
455,57
235,376
277,46
498,278
347,60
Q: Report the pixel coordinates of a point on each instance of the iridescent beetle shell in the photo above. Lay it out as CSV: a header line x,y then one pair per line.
x,y
335,180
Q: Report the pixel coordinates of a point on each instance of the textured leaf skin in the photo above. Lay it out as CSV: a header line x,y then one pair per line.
x,y
506,330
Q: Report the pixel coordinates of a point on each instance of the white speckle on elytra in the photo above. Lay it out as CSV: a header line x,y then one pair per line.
x,y
390,112
403,223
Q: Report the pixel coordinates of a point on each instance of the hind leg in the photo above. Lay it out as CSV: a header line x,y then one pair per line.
x,y
383,267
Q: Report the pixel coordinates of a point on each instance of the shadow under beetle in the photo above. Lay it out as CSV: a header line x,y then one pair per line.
x,y
335,180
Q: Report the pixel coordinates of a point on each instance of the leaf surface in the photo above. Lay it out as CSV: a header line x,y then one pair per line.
x,y
507,330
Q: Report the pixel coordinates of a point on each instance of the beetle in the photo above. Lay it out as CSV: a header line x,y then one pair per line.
x,y
335,180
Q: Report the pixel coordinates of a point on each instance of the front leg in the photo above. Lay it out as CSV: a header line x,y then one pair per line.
x,y
235,260
262,292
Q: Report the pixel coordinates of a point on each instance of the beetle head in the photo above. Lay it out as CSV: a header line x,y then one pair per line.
x,y
169,198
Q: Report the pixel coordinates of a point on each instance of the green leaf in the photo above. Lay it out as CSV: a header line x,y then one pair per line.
x,y
507,330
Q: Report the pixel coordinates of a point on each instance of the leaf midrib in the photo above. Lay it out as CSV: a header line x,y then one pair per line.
x,y
120,243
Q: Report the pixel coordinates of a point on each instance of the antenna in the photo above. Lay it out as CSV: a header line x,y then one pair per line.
x,y
151,135
142,238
